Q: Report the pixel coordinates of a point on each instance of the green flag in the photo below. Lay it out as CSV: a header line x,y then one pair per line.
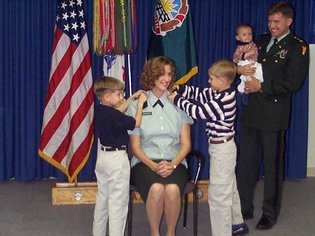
x,y
172,36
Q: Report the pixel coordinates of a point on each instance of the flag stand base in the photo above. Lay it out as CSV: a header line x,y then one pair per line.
x,y
85,192
74,193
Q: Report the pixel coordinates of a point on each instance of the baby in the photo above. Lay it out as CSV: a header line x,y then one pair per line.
x,y
246,53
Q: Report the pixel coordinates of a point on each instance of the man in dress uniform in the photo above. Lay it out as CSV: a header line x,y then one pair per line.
x,y
285,60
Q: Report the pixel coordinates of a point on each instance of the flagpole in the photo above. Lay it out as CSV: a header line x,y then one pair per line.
x,y
129,74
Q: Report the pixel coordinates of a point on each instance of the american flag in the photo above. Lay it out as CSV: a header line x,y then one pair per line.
x,y
67,130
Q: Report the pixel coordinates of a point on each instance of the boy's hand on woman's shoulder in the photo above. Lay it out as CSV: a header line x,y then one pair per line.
x,y
171,96
137,94
175,88
142,98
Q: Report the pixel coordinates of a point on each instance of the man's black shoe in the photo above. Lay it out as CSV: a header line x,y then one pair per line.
x,y
241,229
265,223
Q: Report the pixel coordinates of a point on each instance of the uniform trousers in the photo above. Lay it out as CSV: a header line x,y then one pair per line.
x,y
256,145
223,198
113,173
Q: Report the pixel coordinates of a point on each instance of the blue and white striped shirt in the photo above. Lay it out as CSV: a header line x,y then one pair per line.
x,y
218,108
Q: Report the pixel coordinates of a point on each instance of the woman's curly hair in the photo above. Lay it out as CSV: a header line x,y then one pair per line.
x,y
153,69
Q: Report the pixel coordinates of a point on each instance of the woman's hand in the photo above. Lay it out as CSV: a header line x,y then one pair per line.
x,y
153,166
165,168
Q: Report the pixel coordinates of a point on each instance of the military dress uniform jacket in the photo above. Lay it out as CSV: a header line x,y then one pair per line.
x,y
284,69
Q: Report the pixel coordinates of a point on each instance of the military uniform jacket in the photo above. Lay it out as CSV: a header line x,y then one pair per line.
x,y
284,69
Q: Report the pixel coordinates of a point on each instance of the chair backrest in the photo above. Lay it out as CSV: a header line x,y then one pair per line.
x,y
195,160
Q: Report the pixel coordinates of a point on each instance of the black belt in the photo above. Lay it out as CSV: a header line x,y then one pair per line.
x,y
112,149
221,141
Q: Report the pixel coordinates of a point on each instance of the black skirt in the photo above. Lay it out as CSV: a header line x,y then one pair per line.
x,y
142,177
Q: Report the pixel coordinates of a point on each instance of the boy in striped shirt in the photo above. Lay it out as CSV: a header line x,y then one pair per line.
x,y
217,105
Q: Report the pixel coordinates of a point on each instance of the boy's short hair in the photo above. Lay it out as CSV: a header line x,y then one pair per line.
x,y
223,68
242,26
107,84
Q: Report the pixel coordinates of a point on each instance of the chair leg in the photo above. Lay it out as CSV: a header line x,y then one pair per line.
x,y
185,210
129,217
195,210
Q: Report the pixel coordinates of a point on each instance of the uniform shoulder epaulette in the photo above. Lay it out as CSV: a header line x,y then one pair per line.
x,y
298,39
302,44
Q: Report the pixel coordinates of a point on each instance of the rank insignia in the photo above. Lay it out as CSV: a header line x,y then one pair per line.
x,y
304,48
282,53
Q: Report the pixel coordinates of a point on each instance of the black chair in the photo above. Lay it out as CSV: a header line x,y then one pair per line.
x,y
195,166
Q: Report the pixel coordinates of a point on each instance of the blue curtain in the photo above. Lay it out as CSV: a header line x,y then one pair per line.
x,y
25,44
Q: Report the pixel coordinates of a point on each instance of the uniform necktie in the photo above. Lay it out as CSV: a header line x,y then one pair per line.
x,y
274,43
158,102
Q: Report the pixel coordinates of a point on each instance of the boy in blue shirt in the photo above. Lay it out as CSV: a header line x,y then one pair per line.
x,y
112,166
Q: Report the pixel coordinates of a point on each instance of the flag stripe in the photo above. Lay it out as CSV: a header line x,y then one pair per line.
x,y
60,64
78,159
67,130
57,35
76,120
62,112
62,101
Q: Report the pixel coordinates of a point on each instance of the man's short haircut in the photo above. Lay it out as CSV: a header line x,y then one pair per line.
x,y
281,7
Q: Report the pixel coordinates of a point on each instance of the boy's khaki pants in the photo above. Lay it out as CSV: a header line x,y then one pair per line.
x,y
223,197
113,173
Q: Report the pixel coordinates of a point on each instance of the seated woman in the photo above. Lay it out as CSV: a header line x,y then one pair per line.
x,y
159,146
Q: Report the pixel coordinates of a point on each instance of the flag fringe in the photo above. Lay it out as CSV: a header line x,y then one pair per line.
x,y
62,168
